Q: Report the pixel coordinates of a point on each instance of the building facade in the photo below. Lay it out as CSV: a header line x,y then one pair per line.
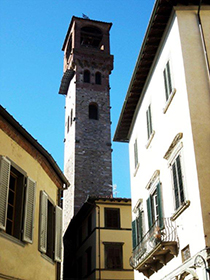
x,y
97,243
85,84
31,185
166,120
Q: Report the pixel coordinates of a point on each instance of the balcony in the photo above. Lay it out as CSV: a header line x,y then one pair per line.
x,y
156,249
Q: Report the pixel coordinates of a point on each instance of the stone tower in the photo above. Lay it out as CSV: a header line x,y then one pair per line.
x,y
85,83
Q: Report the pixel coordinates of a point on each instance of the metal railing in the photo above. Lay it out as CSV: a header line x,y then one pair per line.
x,y
166,233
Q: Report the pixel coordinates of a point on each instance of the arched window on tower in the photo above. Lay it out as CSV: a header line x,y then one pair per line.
x,y
98,78
93,111
86,76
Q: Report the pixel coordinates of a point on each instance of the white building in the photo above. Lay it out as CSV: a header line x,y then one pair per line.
x,y
166,120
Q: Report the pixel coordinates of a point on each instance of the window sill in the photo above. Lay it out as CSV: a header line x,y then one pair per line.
x,y
137,167
169,100
47,258
12,238
181,209
150,139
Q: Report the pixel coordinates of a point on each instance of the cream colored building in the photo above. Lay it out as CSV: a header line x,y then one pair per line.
x,y
31,186
97,243
166,120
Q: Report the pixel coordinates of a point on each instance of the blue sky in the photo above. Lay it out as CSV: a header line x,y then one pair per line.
x,y
31,66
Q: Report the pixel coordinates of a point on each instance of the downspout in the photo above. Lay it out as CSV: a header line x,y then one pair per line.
x,y
99,247
203,41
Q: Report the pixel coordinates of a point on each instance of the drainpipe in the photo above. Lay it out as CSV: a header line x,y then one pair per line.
x,y
203,41
99,243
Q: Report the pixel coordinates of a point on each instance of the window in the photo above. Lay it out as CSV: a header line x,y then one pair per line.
x,y
149,122
89,257
135,154
86,76
50,228
112,217
93,111
113,256
154,208
17,201
137,228
177,182
98,78
167,80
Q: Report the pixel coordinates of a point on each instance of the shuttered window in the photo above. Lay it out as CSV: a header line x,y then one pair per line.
x,y
167,80
112,217
50,236
137,229
154,208
178,182
113,256
149,121
17,201
136,153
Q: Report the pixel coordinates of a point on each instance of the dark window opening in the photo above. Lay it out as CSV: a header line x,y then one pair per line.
x,y
50,230
112,217
93,111
69,48
98,78
15,204
91,37
113,256
86,76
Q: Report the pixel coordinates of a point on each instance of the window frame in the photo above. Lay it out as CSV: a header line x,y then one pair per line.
x,y
116,218
112,257
44,234
24,224
138,228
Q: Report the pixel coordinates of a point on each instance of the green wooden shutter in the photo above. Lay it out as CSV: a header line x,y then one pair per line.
x,y
4,190
58,234
159,197
29,211
134,235
149,211
43,222
140,228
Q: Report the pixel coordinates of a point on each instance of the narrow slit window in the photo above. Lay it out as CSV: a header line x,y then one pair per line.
x,y
86,76
98,78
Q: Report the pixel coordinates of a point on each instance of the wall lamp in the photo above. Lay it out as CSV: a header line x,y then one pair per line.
x,y
197,263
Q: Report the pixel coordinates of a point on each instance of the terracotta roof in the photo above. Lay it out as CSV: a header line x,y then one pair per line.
x,y
159,19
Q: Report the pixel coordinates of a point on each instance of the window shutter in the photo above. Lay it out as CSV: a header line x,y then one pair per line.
x,y
149,121
169,77
165,82
159,197
140,228
176,192
43,222
179,171
29,211
134,235
4,188
58,234
149,211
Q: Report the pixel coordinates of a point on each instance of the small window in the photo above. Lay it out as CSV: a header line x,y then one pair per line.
x,y
113,256
178,185
167,80
98,78
50,236
149,122
93,111
86,76
112,217
17,201
136,161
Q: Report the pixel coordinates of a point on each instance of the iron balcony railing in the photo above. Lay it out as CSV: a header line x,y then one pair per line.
x,y
155,236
